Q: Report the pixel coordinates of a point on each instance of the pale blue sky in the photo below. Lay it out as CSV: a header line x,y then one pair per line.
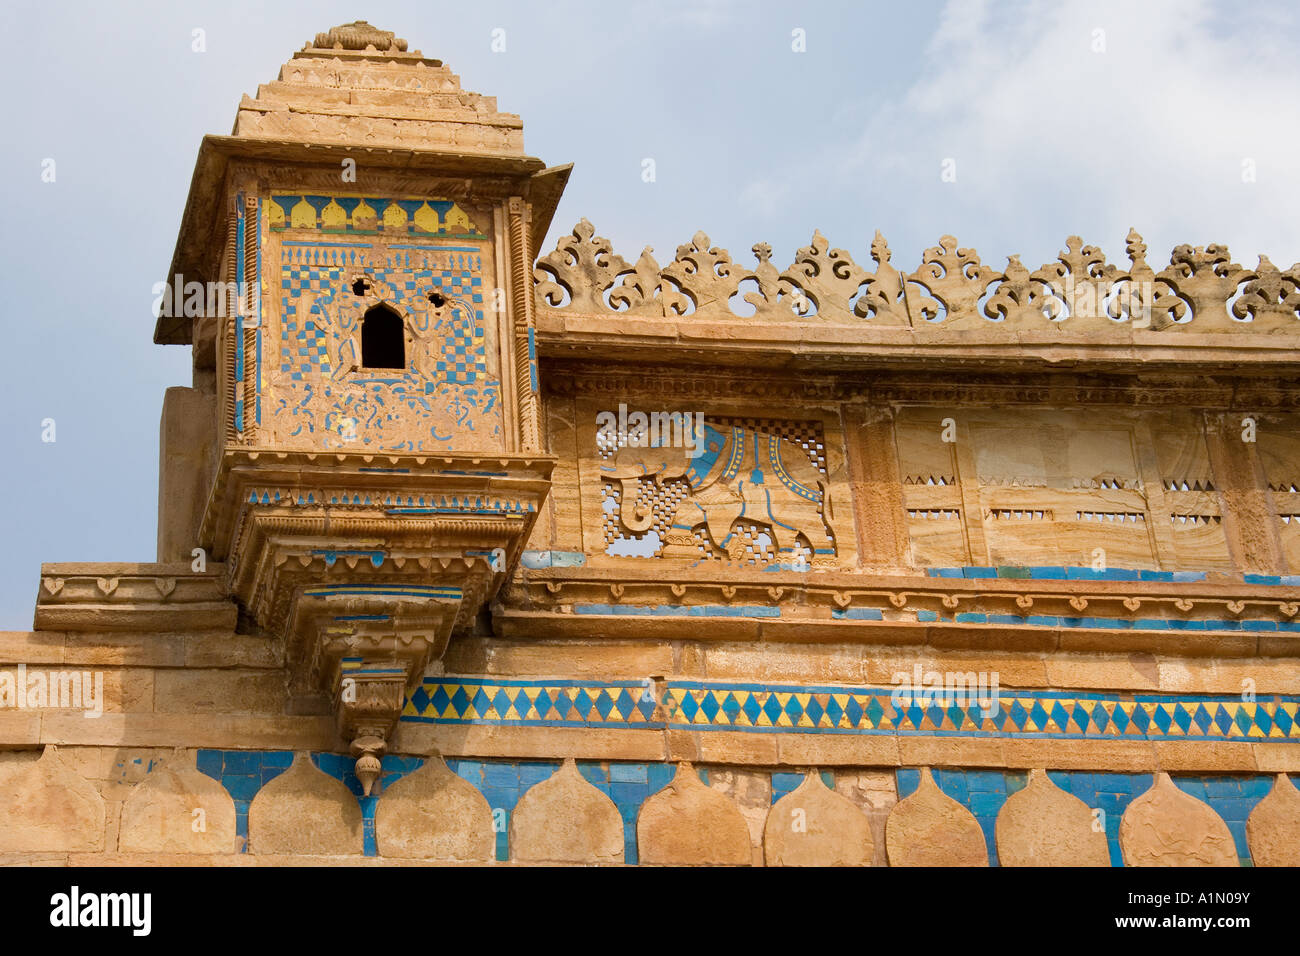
x,y
1051,136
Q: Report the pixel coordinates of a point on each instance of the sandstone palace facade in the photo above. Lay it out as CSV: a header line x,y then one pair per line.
x,y
474,551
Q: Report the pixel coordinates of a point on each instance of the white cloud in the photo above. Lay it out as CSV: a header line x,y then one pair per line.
x,y
765,196
1051,137
707,14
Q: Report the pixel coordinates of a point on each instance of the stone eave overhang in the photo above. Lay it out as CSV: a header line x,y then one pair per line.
x,y
829,346
524,476
380,57
197,243
1221,615
699,605
1252,389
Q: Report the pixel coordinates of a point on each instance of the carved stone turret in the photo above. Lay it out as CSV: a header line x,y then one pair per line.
x,y
368,446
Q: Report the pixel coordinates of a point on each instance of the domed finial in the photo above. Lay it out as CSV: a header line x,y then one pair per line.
x,y
359,36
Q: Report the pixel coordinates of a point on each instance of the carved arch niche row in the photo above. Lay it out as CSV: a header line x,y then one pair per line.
x,y
1134,489
48,807
768,487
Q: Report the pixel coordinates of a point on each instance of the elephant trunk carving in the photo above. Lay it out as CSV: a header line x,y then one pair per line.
x,y
633,518
630,465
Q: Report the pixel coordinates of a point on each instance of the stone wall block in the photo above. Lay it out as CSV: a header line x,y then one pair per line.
x,y
813,825
1166,827
687,823
177,809
305,810
432,814
46,806
564,819
930,828
1042,825
1273,827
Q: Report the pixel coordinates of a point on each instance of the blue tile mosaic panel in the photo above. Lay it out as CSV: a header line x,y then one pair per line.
x,y
243,773
311,279
317,390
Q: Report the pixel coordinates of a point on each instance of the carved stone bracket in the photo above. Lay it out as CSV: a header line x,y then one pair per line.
x,y
370,698
366,566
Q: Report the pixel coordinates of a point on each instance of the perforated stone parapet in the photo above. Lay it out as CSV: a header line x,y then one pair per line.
x,y
951,290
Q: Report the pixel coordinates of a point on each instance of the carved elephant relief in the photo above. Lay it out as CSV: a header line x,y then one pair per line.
x,y
735,475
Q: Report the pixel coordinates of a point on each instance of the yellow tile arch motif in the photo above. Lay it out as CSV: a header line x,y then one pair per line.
x,y
370,215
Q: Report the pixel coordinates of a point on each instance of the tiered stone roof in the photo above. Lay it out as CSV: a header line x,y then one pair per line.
x,y
357,85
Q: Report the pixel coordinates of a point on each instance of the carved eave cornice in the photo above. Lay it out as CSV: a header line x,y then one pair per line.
x,y
133,597
1143,388
839,347
846,607
294,523
278,567
401,57
315,477
198,245
271,101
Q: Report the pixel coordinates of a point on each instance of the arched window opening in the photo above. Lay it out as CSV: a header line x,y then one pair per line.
x,y
383,339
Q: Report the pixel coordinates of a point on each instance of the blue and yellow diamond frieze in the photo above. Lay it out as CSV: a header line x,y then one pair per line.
x,y
837,710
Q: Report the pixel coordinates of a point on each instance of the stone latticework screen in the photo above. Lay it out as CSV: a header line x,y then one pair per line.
x,y
679,526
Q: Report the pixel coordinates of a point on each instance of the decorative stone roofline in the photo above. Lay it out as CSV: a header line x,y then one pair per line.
x,y
1221,615
951,291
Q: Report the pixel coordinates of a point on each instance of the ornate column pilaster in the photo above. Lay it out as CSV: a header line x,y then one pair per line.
x,y
522,308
